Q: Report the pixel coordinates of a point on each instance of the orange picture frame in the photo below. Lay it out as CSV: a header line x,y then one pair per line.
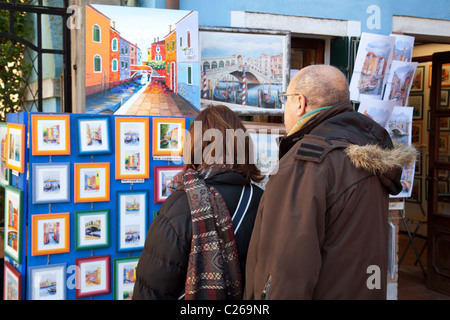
x,y
168,142
132,148
92,182
15,147
50,134
48,235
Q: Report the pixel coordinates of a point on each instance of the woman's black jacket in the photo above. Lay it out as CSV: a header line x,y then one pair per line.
x,y
162,267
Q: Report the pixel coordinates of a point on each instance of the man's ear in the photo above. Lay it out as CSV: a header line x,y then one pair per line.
x,y
301,105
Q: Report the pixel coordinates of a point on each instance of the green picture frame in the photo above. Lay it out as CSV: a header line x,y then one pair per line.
x,y
124,277
92,229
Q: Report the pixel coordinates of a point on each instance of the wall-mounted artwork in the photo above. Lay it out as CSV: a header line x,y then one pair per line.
x,y
92,229
13,222
91,182
165,181
12,280
4,170
124,277
93,276
167,138
15,147
47,282
51,182
51,134
93,135
132,148
245,69
50,233
141,61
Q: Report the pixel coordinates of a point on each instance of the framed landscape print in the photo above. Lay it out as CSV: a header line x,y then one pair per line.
x,y
93,135
132,148
124,277
168,137
15,147
50,233
12,283
132,206
47,282
4,170
51,182
93,276
51,134
13,223
418,80
165,181
92,229
245,68
92,182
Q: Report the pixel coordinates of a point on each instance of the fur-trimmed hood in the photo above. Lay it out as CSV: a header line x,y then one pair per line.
x,y
379,160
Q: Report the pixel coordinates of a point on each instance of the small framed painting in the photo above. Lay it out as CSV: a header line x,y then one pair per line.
x,y
51,134
13,223
132,206
92,229
92,276
165,181
51,182
419,80
93,135
12,283
124,277
4,170
47,282
50,233
168,137
132,151
91,181
15,147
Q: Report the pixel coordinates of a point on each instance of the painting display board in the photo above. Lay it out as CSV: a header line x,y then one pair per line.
x,y
381,83
76,228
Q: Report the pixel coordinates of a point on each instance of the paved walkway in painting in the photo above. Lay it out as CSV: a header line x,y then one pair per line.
x,y
156,100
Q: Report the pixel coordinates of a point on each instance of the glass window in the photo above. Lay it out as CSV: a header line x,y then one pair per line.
x,y
97,63
115,44
96,33
115,65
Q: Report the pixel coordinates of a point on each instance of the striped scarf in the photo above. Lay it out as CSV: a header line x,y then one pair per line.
x,y
213,269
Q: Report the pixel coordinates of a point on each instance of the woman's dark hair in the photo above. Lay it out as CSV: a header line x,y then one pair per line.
x,y
220,118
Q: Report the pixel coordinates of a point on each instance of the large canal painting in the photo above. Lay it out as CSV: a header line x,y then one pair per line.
x,y
141,61
246,69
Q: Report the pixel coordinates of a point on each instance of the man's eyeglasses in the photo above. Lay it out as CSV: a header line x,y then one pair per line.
x,y
283,96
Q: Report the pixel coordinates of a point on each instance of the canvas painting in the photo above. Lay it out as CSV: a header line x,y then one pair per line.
x,y
138,59
246,69
371,66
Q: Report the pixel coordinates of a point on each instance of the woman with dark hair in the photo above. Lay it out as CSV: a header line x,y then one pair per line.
x,y
196,248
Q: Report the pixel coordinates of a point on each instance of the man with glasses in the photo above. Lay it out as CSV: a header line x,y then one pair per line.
x,y
321,230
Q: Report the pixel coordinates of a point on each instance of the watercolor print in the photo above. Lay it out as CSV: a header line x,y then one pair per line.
x,y
93,276
47,282
91,182
91,229
51,182
243,68
50,233
93,135
15,152
132,148
51,134
165,181
265,151
378,110
399,82
124,277
12,283
13,222
4,171
138,59
168,136
133,208
403,48
418,81
371,66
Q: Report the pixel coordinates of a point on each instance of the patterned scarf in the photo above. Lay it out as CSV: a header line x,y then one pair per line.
x,y
213,270
305,118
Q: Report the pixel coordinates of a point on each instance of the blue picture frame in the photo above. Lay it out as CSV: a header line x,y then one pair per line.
x,y
52,292
95,142
46,191
132,219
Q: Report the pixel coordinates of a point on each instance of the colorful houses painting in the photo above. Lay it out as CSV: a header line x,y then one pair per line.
x,y
134,50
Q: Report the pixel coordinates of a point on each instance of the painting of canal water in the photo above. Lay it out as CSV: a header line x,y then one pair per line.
x,y
243,68
141,61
